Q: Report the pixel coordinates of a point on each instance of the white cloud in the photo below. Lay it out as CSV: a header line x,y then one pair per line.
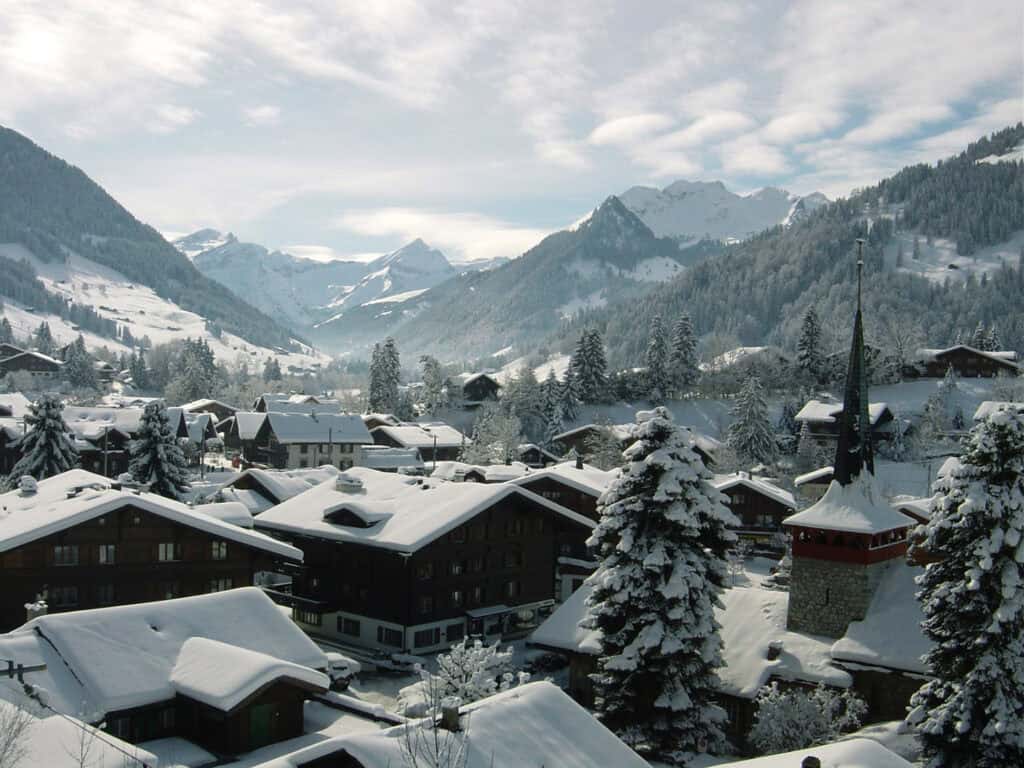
x,y
264,114
626,130
897,123
168,118
463,236
749,156
326,253
703,129
803,124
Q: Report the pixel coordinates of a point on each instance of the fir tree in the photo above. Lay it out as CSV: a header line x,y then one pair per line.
x,y
657,363
78,368
552,409
570,393
378,393
809,357
139,372
391,372
683,360
272,370
806,449
585,368
750,433
602,448
971,713
434,394
992,342
978,337
43,341
524,397
6,331
662,541
156,458
46,447
196,373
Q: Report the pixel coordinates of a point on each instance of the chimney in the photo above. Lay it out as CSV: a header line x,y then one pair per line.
x,y
27,485
810,762
579,460
38,608
450,714
774,650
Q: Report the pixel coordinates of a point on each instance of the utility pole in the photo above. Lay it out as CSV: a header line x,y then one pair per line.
x,y
106,429
15,670
433,463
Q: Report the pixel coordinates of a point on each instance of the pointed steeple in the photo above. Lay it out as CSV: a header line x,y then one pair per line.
x,y
853,449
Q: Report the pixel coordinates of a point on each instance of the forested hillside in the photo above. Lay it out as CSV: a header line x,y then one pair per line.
x,y
50,207
757,291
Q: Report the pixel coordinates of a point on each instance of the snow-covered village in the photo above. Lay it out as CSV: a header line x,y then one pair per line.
x,y
525,385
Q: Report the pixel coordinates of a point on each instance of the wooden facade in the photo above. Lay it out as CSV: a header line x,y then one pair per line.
x,y
10,451
126,556
43,369
480,388
427,452
493,575
760,515
967,363
570,497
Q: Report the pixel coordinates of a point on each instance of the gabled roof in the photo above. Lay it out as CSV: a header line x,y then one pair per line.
x,y
7,362
397,513
589,480
124,656
410,435
200,426
14,404
467,378
492,473
988,407
177,421
199,406
817,474
757,485
295,403
919,509
277,485
385,457
76,496
232,512
246,424
622,432
855,508
854,753
318,428
1005,357
536,724
817,412
223,676
91,423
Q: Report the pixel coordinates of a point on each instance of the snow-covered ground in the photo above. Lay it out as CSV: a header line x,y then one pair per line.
x,y
135,306
938,260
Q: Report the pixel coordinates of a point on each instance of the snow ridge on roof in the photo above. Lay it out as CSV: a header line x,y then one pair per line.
x,y
589,479
318,428
756,484
988,407
854,753
1007,356
223,675
855,508
411,435
819,412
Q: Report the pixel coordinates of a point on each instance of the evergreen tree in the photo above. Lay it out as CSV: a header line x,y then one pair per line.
x,y
6,331
602,448
139,371
992,342
43,341
806,449
661,541
978,338
46,447
788,424
552,409
196,373
272,370
496,437
524,397
434,394
78,368
657,363
588,366
156,457
683,360
392,374
378,391
570,393
809,357
971,713
750,433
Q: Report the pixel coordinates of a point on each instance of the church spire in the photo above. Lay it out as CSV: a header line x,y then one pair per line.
x,y
853,449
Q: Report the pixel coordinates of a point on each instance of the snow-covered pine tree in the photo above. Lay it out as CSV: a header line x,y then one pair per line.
x,y
602,448
971,713
594,386
524,397
809,356
433,385
570,393
683,358
978,337
6,331
78,367
552,409
138,370
661,541
750,433
271,370
392,373
789,719
657,362
378,394
992,341
806,449
156,457
43,341
46,447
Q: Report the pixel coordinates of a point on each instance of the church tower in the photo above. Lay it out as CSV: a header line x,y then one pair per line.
x,y
843,543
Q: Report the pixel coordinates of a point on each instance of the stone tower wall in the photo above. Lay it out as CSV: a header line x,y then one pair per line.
x,y
825,596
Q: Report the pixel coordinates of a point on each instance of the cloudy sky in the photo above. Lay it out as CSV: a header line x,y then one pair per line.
x,y
351,127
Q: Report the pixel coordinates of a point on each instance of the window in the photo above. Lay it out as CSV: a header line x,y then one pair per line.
x,y
169,590
479,531
65,554
426,604
424,571
312,618
303,463
455,632
553,495
63,596
459,535
477,595
565,549
350,627
105,594
456,568
739,498
219,550
538,525
513,559
107,554
476,564
169,551
512,588
345,448
388,636
303,448
121,727
514,527
458,598
326,448
221,585
427,637
167,719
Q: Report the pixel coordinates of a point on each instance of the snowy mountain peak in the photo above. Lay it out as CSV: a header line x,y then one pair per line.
x,y
202,240
416,256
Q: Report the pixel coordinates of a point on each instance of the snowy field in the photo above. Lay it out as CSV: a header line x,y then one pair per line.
x,y
939,260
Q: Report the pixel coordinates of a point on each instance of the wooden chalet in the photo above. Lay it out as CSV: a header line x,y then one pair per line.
x,y
220,411
374,420
102,435
760,505
398,564
478,388
9,350
296,440
572,484
292,403
78,540
44,370
226,672
812,485
966,362
824,419
533,455
434,441
576,440
261,489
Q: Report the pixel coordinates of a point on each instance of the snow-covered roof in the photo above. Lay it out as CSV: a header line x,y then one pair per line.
x,y
751,620
123,657
810,477
818,412
988,407
318,428
200,406
385,457
223,676
64,692
756,484
11,427
177,421
31,354
14,404
492,473
384,418
410,435
1007,356
277,485
200,426
917,508
890,634
293,403
248,424
590,480
855,508
854,753
25,518
399,513
232,512
466,378
91,423
536,724
622,432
